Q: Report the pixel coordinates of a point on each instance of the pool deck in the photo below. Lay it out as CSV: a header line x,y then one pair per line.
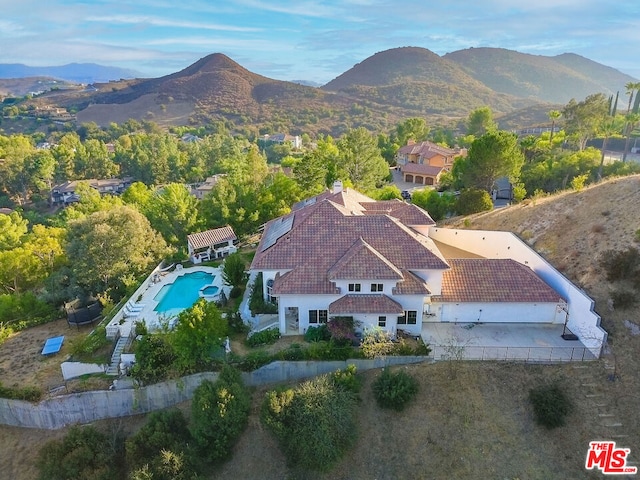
x,y
147,293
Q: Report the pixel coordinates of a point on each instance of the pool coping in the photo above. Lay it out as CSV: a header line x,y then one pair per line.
x,y
123,324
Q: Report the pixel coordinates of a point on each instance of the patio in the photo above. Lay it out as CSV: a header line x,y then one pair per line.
x,y
502,341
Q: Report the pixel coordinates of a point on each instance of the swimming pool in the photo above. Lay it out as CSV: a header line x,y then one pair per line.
x,y
182,293
209,290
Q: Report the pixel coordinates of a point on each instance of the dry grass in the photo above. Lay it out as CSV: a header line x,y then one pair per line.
x,y
473,420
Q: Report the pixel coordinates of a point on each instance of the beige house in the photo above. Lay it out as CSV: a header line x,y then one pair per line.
x,y
212,244
423,163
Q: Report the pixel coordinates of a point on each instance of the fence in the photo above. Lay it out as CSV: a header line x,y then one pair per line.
x,y
526,354
87,407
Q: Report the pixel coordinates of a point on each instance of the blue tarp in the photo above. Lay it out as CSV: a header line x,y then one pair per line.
x,y
53,345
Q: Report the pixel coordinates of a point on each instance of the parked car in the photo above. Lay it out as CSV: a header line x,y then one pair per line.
x,y
406,195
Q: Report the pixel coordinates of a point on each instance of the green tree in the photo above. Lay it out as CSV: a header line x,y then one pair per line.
x,y
316,170
360,159
154,358
480,122
632,120
554,115
164,431
83,454
12,229
610,126
438,205
109,246
233,270
584,119
173,212
491,156
415,129
473,200
200,331
219,414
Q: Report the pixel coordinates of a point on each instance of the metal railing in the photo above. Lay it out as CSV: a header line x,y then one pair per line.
x,y
527,354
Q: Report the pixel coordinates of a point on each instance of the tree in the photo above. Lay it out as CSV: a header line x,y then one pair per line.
x,y
491,156
438,205
12,229
154,358
583,119
361,160
164,431
632,120
198,334
480,122
110,246
83,454
219,414
233,270
316,169
173,212
609,127
553,116
415,129
473,200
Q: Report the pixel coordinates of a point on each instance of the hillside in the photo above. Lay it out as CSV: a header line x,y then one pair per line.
x,y
418,79
468,414
550,79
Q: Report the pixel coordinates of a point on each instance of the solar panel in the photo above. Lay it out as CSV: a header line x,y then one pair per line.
x,y
53,345
276,230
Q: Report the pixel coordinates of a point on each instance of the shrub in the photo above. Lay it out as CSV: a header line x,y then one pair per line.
x,y
233,270
164,431
85,347
315,423
256,301
347,379
377,343
550,405
154,358
28,393
219,414
342,330
235,292
317,334
264,337
621,265
293,353
329,351
254,360
624,298
394,390
473,200
83,453
236,324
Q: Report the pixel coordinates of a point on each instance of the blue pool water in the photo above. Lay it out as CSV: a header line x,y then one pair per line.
x,y
183,292
210,290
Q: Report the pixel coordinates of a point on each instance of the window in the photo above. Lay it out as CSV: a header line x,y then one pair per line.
x,y
318,316
410,317
354,287
377,287
382,321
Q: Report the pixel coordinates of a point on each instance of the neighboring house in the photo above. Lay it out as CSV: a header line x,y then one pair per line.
x,y
65,193
294,140
343,254
203,189
422,163
212,244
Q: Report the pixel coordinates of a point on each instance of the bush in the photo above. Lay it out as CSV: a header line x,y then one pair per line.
x,y
163,431
256,301
317,334
236,325
154,359
219,414
264,337
623,298
394,390
550,405
377,343
235,292
83,348
329,351
621,265
293,353
30,394
473,200
347,379
83,454
315,423
342,330
254,360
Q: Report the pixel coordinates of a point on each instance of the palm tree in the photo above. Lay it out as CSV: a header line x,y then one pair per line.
x,y
631,88
632,120
609,127
553,116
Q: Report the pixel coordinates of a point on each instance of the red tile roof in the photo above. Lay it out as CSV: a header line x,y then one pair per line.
x,y
211,237
365,304
324,231
407,213
362,261
493,280
426,150
411,285
421,169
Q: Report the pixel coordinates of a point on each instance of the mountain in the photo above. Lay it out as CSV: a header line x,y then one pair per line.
x,y
72,72
418,79
550,79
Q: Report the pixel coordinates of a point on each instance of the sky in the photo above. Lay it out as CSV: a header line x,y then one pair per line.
x,y
313,40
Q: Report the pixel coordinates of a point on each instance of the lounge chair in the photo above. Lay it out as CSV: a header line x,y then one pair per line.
x,y
135,306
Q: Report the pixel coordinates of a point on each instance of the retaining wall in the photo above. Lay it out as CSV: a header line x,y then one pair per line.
x,y
86,407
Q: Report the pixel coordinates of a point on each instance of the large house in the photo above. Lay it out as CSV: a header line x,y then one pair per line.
x,y
343,254
65,193
423,163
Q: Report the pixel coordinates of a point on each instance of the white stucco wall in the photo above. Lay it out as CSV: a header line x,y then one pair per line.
x,y
498,312
583,321
365,286
433,279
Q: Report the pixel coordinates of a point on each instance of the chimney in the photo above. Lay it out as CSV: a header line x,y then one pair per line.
x,y
411,141
337,186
